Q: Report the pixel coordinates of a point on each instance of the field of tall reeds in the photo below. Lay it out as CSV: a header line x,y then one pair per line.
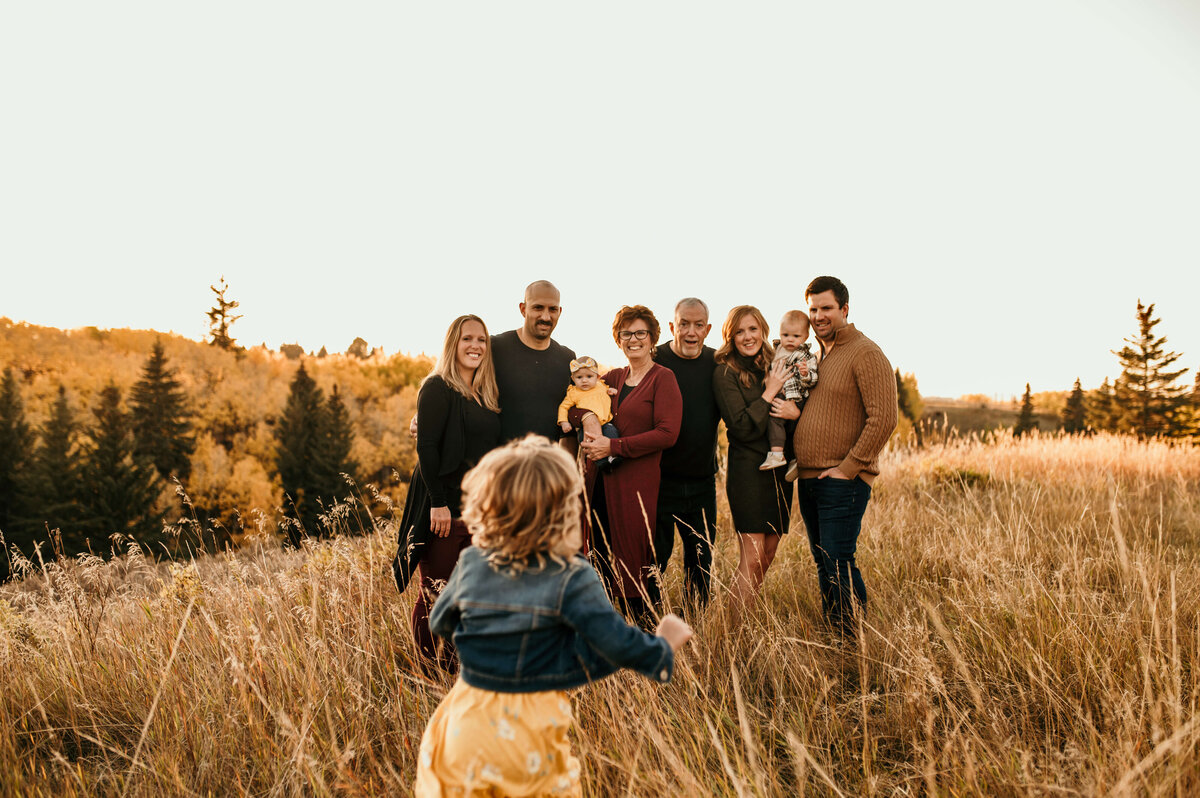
x,y
1034,628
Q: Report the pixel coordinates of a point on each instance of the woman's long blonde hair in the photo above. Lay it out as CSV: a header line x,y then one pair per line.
x,y
483,389
725,354
522,505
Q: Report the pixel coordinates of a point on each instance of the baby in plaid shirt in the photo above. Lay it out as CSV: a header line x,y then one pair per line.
x,y
802,376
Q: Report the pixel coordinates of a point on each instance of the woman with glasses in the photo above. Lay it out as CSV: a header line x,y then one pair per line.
x,y
647,409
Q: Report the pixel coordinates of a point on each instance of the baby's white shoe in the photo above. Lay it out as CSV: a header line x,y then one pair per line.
x,y
774,460
793,471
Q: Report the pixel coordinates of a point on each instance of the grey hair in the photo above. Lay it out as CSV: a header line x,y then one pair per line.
x,y
689,302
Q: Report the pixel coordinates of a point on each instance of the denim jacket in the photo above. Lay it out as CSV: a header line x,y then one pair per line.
x,y
549,628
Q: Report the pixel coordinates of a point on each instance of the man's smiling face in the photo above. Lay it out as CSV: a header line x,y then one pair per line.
x,y
826,317
689,330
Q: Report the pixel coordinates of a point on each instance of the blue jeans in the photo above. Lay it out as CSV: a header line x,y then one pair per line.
x,y
832,510
607,430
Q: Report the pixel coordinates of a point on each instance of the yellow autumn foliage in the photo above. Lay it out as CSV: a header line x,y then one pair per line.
x,y
236,399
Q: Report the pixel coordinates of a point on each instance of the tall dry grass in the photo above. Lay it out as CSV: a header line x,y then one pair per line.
x,y
1033,629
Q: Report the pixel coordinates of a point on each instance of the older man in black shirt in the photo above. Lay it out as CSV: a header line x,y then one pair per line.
x,y
687,494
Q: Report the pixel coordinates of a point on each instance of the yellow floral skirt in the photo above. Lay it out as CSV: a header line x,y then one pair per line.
x,y
498,744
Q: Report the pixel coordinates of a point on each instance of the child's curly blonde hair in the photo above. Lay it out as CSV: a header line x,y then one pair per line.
x,y
522,503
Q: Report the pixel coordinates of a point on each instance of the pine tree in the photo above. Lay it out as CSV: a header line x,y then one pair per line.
x,y
1025,421
1190,412
16,447
162,425
1074,416
1147,390
55,481
119,489
911,405
1100,409
221,318
300,459
337,441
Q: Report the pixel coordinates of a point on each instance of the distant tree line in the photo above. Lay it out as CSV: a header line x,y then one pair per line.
x,y
1147,399
91,484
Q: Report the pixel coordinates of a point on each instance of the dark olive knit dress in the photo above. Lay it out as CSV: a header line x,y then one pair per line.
x,y
760,501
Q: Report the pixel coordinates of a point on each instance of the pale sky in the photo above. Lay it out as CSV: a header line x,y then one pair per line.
x,y
997,183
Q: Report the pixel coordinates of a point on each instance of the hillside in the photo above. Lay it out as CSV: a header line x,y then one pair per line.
x,y
977,416
236,399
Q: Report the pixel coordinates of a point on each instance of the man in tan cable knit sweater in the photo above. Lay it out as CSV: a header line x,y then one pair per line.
x,y
846,422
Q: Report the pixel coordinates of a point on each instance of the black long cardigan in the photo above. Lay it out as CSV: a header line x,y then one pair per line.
x,y
438,405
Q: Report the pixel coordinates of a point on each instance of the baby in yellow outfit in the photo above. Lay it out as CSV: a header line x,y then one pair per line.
x,y
590,393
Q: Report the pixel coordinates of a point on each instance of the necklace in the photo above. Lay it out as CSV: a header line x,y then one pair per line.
x,y
635,377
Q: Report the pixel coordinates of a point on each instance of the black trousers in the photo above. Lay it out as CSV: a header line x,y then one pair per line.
x,y
688,506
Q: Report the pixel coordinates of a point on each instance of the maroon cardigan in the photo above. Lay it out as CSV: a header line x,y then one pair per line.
x,y
648,421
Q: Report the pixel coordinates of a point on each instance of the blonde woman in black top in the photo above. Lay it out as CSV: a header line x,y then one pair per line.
x,y
460,423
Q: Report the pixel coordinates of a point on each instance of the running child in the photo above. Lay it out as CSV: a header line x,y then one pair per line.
x,y
530,620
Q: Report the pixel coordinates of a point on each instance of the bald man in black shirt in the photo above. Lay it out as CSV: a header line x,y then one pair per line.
x,y
533,370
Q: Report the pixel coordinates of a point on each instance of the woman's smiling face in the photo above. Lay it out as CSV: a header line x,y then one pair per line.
x,y
747,337
472,346
636,348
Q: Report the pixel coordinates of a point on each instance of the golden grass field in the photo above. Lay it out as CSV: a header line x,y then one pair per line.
x,y
1034,630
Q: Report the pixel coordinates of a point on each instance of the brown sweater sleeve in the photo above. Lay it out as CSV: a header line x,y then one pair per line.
x,y
877,386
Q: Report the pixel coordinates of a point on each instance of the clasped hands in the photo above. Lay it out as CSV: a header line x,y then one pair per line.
x,y
781,407
596,447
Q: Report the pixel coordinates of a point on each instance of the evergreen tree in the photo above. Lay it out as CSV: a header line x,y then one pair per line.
x,y
55,477
162,426
1101,410
300,458
221,318
337,441
16,448
911,405
1191,411
1147,389
118,489
1025,421
1074,414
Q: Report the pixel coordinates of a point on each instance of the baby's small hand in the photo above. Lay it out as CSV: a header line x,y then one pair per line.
x,y
612,391
803,367
674,630
566,426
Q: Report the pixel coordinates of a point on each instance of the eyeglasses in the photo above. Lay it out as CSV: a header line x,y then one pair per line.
x,y
641,335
